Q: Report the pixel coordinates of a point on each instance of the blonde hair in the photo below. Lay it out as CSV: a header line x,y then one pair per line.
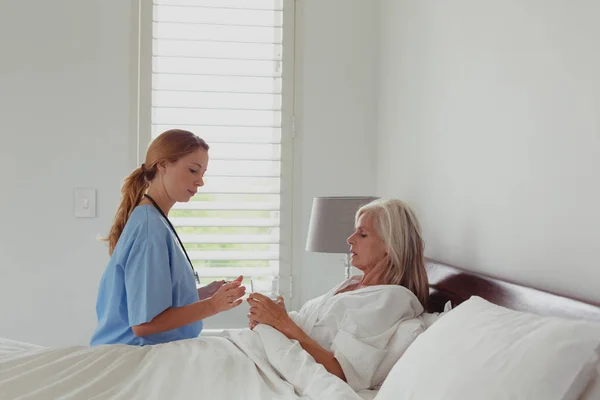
x,y
169,146
399,228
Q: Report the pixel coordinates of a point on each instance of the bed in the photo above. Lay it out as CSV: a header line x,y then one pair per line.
x,y
433,367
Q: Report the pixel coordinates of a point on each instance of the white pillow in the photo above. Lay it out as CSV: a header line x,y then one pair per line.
x,y
483,351
405,334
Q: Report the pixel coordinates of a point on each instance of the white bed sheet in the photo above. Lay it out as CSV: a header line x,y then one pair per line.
x,y
9,346
263,363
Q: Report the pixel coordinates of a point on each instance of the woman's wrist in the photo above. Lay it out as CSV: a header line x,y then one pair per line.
x,y
289,328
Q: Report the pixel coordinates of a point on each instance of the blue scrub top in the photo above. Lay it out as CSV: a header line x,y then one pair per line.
x,y
147,273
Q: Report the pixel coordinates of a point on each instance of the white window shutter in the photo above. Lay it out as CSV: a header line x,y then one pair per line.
x,y
217,71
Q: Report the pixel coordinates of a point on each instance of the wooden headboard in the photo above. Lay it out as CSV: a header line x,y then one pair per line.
x,y
450,283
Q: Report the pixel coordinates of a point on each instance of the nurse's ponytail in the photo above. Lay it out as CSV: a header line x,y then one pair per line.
x,y
133,189
168,146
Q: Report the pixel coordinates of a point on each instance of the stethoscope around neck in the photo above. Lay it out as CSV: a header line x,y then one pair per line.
x,y
196,276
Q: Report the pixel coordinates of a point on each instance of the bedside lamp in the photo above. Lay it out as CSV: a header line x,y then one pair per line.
x,y
331,223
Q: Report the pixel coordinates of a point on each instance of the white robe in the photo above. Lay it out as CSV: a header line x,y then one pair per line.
x,y
361,326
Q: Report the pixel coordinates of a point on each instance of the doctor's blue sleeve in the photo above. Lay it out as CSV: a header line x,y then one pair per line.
x,y
148,283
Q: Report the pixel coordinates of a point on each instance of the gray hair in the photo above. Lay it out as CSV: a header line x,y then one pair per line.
x,y
399,228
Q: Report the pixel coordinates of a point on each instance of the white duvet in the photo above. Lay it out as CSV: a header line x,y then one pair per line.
x,y
366,329
259,364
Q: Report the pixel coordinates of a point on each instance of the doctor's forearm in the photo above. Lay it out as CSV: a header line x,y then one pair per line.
x,y
320,354
175,317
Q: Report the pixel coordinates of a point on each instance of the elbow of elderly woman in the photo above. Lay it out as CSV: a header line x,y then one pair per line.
x,y
348,329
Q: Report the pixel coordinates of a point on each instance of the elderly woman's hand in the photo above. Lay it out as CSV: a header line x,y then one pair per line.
x,y
280,302
263,310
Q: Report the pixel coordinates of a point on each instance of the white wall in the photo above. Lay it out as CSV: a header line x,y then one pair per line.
x,y
490,127
65,118
335,113
64,123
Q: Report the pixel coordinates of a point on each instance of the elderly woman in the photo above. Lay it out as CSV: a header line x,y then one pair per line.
x,y
349,329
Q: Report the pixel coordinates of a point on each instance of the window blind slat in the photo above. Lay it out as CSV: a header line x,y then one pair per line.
x,y
229,134
226,16
216,83
229,239
205,196
231,168
217,33
245,151
215,205
245,4
174,48
225,272
255,118
224,222
243,184
232,255
217,100
178,65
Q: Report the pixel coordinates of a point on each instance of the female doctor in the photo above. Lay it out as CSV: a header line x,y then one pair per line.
x,y
148,293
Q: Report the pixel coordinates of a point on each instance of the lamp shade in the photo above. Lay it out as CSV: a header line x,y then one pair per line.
x,y
332,222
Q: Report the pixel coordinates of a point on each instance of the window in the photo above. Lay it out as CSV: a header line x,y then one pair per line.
x,y
219,68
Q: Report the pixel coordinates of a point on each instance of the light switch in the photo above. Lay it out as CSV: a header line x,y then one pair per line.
x,y
85,203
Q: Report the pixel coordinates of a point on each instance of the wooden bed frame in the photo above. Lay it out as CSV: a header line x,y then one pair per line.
x,y
450,283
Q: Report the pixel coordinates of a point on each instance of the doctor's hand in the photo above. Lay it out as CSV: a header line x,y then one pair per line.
x,y
265,311
209,290
228,295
